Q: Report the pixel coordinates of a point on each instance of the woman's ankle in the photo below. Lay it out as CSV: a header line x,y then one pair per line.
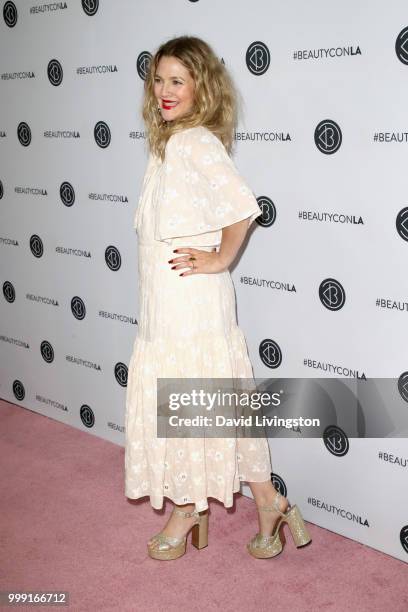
x,y
186,507
267,499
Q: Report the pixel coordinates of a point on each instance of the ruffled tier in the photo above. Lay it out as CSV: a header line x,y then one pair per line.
x,y
186,470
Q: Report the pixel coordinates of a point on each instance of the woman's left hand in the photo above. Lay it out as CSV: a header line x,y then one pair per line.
x,y
205,262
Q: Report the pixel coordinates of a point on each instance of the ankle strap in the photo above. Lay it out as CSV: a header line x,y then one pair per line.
x,y
274,507
185,514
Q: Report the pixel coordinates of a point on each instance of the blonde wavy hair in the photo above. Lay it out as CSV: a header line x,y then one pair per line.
x,y
215,95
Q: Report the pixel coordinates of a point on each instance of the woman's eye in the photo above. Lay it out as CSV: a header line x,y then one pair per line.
x,y
157,80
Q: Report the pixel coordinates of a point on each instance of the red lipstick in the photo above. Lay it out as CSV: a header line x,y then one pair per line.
x,y
165,104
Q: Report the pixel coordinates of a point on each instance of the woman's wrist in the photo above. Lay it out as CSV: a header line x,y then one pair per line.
x,y
225,260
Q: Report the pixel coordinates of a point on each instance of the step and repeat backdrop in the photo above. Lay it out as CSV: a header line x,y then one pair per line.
x,y
321,286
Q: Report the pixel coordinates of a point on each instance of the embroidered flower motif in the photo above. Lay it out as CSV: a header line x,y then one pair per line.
x,y
206,138
184,150
200,202
243,189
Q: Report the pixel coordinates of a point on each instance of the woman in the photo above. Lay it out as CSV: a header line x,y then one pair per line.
x,y
192,217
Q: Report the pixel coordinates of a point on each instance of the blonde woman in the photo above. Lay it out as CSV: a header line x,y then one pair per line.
x,y
192,217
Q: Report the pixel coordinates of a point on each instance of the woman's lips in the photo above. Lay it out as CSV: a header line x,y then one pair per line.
x,y
167,104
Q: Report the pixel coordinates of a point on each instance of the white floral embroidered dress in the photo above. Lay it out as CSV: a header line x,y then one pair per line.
x,y
187,325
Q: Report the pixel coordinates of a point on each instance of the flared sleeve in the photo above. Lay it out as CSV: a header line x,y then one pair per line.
x,y
201,190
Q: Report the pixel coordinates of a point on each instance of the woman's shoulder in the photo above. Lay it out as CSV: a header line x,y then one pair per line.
x,y
198,135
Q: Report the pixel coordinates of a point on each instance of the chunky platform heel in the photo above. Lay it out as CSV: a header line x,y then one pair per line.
x,y
265,547
166,547
297,527
199,533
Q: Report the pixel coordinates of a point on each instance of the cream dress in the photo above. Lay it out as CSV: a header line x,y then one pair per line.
x,y
187,325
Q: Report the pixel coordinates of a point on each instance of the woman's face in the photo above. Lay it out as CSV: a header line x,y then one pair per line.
x,y
173,88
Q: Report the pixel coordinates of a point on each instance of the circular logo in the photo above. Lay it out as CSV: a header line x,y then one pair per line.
x,y
1,190
404,538
401,223
36,246
270,353
87,415
18,390
54,72
67,194
10,14
78,308
9,292
24,134
335,440
332,294
403,386
328,136
112,258
401,46
47,352
257,58
121,373
279,484
143,64
90,7
268,211
102,134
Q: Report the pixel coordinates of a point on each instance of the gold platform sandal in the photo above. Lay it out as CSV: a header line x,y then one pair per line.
x,y
264,547
166,547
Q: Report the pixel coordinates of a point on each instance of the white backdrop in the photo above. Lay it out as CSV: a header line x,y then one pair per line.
x,y
321,286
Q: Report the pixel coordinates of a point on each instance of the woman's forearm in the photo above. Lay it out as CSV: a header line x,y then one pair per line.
x,y
232,238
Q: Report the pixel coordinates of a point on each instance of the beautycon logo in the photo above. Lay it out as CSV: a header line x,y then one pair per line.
x,y
401,223
121,374
10,14
328,136
47,352
18,390
403,386
87,415
332,294
401,46
54,72
102,134
268,208
9,292
67,194
257,58
78,308
143,64
24,133
36,246
112,258
90,7
270,353
336,441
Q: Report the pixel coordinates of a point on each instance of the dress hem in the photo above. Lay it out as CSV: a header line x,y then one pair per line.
x,y
190,501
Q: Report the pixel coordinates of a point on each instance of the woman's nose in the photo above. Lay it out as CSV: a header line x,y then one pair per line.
x,y
166,90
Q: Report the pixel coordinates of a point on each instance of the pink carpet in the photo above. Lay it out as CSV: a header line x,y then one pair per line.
x,y
66,525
